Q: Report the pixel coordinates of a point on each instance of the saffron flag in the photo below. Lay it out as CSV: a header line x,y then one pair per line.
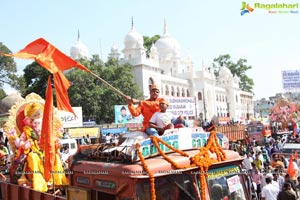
x,y
47,137
291,169
52,59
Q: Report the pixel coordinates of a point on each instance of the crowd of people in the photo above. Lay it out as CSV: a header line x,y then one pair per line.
x,y
275,175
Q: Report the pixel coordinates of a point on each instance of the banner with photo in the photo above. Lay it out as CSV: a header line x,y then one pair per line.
x,y
123,116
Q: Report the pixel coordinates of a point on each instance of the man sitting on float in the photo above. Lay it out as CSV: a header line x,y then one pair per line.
x,y
163,120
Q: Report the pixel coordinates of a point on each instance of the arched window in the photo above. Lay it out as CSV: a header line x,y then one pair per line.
x,y
178,92
200,96
182,92
187,93
172,91
167,90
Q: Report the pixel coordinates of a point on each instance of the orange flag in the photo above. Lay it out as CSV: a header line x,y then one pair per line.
x,y
291,169
47,138
52,59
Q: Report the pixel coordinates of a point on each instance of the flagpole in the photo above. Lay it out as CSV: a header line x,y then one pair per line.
x,y
109,85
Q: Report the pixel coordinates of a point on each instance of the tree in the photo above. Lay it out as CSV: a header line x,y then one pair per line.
x,y
35,78
148,41
238,69
96,98
8,70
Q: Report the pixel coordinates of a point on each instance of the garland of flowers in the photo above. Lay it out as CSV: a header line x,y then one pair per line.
x,y
151,176
155,141
203,160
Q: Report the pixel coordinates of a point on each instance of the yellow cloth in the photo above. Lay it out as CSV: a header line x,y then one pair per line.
x,y
59,173
35,172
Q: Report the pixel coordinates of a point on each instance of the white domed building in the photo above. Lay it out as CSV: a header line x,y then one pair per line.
x,y
79,50
165,66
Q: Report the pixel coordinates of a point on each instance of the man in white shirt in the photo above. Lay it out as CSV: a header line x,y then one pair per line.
x,y
269,191
247,162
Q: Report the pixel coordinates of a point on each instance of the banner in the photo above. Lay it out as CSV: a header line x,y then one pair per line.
x,y
79,132
184,106
123,116
69,120
291,80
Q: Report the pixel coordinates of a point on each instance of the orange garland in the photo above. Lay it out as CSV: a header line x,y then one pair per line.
x,y
152,186
202,159
155,141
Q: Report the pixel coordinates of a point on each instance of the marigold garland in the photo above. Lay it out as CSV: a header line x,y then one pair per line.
x,y
155,141
151,176
202,159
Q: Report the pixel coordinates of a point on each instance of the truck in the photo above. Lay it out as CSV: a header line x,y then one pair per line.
x,y
150,168
234,132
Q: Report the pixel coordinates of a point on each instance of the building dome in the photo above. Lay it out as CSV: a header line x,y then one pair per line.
x,y
79,50
224,71
167,45
133,39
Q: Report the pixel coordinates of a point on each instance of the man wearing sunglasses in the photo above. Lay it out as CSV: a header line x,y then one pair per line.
x,y
146,107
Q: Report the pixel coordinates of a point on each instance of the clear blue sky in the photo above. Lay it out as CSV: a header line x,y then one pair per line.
x,y
205,29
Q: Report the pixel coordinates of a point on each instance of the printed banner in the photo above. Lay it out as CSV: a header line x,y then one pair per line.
x,y
69,120
184,106
123,116
291,80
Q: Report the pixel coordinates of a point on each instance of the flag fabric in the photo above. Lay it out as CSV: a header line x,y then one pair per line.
x,y
291,169
47,137
52,59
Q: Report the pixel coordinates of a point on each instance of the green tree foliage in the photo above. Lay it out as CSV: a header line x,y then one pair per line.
x,y
35,78
238,69
8,70
148,41
87,91
95,97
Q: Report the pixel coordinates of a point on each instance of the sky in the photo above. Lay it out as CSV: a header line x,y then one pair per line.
x,y
204,29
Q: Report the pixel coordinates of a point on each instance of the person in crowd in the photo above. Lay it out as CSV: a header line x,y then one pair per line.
x,y
82,141
163,120
287,179
145,107
277,176
269,191
257,179
257,162
247,162
115,139
276,162
287,193
108,138
88,139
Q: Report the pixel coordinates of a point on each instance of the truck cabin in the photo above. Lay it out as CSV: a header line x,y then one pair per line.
x,y
95,179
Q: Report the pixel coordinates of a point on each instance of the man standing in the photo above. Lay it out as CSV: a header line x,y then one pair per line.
x,y
286,193
146,107
269,191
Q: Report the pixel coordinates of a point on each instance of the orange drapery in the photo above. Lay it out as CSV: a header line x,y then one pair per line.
x,y
52,59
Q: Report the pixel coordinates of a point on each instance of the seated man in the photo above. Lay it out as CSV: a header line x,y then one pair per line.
x,y
161,121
